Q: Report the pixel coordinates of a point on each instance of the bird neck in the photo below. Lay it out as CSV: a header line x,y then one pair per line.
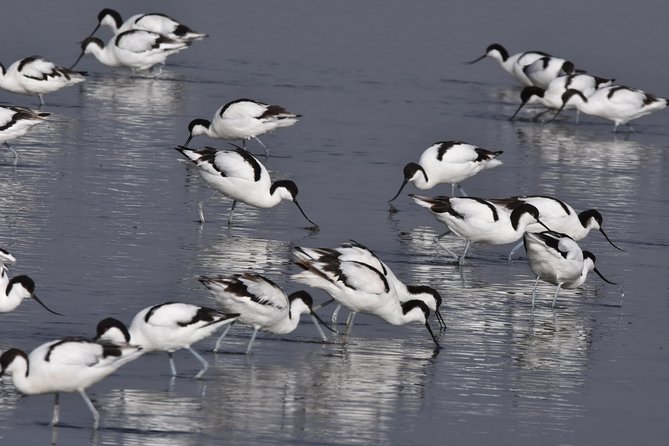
x,y
103,55
20,376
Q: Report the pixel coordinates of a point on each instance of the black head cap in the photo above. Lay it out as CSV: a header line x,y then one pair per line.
x,y
113,14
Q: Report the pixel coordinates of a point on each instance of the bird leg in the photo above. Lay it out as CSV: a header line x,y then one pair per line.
x,y
335,313
462,257
514,249
263,145
318,327
14,152
534,291
56,409
556,295
349,324
173,368
220,338
253,338
205,364
96,415
232,210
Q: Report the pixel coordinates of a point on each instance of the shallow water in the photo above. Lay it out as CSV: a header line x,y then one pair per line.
x,y
102,214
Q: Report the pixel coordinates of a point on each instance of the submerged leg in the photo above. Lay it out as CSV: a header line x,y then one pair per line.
x,y
556,295
253,338
173,368
220,338
349,325
534,291
56,409
205,364
335,313
318,327
14,152
232,211
263,145
96,415
464,253
514,249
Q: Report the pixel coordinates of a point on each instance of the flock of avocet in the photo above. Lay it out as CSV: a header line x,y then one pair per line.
x,y
352,274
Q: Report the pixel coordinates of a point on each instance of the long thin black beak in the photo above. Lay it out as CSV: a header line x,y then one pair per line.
x,y
427,325
188,140
604,278
558,112
542,224
318,319
305,215
622,292
404,183
78,59
42,304
440,318
94,30
519,108
609,240
475,60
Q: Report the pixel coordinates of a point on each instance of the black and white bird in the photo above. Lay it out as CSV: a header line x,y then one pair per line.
x,y
361,288
36,76
261,304
448,162
558,216
167,327
616,103
16,121
512,64
15,290
135,49
239,175
65,365
546,69
154,22
243,119
556,258
479,221
356,252
551,97
6,258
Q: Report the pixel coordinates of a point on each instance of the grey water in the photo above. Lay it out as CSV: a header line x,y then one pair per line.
x,y
102,214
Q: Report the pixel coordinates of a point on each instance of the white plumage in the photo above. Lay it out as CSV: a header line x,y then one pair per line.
x,y
556,258
167,327
155,22
239,175
37,76
448,162
261,304
616,103
66,365
136,49
513,64
243,119
16,121
359,287
479,221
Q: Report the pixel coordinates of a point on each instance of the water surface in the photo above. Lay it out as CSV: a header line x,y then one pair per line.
x,y
101,213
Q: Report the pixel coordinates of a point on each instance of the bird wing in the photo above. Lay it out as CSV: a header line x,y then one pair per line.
x,y
71,351
35,67
239,164
140,41
243,108
262,290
